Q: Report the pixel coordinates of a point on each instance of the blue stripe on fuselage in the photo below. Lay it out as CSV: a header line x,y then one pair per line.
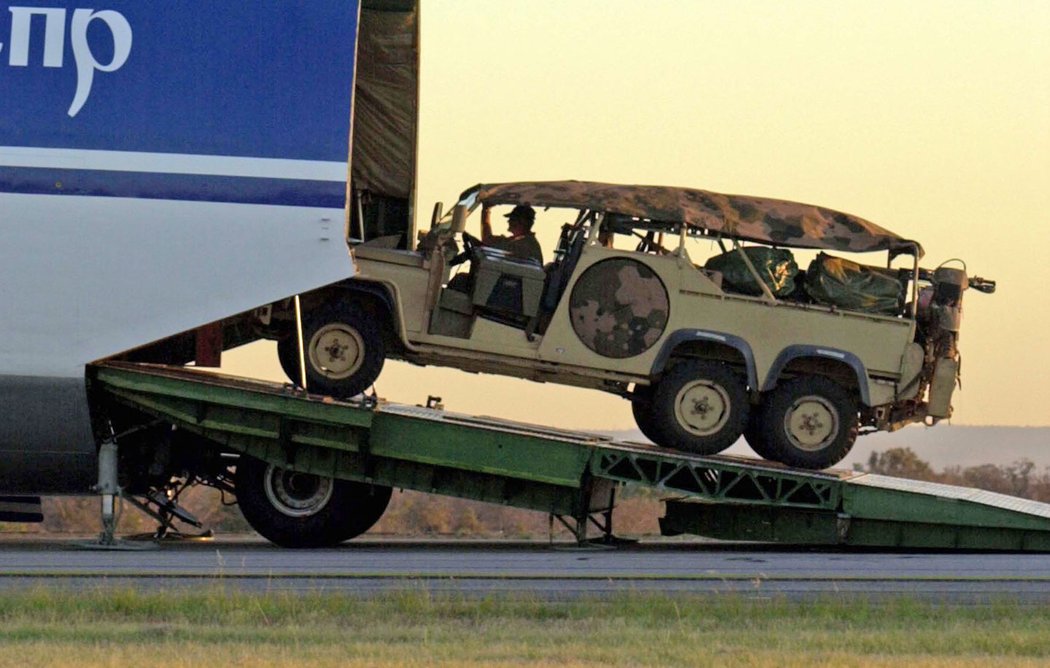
x,y
147,185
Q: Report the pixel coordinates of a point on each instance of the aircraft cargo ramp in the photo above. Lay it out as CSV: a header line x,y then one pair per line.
x,y
571,475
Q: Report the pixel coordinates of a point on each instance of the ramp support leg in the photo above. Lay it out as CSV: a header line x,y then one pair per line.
x,y
599,514
109,489
575,525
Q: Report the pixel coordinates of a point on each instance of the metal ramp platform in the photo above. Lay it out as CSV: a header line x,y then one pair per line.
x,y
569,474
879,511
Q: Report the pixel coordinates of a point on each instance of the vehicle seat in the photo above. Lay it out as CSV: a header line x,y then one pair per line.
x,y
557,279
506,288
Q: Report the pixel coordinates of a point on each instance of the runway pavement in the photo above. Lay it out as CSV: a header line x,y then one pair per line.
x,y
561,571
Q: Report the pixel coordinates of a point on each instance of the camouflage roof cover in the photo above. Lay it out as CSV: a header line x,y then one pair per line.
x,y
760,219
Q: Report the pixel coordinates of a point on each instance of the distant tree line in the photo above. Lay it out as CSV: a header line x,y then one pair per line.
x,y
1016,479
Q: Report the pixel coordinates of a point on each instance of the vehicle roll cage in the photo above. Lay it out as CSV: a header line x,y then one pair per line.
x,y
650,232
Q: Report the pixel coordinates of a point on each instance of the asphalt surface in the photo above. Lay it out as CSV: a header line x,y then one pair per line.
x,y
561,571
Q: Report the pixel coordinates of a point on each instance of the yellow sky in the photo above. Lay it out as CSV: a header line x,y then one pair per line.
x,y
929,118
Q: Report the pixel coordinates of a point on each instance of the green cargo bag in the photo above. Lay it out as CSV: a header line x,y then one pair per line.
x,y
776,266
834,281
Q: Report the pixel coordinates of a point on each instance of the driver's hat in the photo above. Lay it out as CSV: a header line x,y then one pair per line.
x,y
522,212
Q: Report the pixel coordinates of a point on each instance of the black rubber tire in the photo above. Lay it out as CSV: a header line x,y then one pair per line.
x,y
702,380
351,509
824,404
754,437
288,356
641,408
350,325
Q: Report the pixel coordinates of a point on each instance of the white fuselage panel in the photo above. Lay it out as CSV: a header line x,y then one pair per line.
x,y
86,278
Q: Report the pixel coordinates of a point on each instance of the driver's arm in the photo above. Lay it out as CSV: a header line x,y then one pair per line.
x,y
486,224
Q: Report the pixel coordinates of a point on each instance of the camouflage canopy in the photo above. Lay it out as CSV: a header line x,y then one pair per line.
x,y
770,221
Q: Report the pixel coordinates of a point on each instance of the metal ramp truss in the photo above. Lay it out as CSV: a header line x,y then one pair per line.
x,y
718,479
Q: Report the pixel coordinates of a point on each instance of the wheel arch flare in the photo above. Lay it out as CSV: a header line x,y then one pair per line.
x,y
839,365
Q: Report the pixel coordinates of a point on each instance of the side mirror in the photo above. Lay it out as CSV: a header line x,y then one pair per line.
x,y
436,216
459,218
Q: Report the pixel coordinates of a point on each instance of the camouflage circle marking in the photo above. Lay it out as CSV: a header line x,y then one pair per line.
x,y
619,308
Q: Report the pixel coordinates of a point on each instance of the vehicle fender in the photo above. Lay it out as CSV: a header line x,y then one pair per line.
x,y
683,336
798,351
384,293
378,290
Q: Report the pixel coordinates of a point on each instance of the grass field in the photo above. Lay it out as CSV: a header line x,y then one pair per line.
x,y
122,628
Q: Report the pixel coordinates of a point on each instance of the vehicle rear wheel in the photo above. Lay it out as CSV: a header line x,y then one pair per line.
x,y
810,422
295,509
700,407
343,348
754,436
642,408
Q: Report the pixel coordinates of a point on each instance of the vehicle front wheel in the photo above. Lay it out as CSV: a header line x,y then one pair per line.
x,y
699,407
288,356
810,422
343,348
294,509
642,409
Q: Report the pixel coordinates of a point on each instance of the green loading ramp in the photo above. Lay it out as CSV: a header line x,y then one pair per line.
x,y
568,473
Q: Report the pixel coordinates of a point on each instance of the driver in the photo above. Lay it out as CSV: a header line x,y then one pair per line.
x,y
522,241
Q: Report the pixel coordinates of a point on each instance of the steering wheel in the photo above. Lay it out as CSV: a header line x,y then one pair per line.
x,y
470,243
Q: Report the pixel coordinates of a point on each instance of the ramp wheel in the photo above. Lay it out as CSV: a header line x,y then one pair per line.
x,y
303,510
809,422
700,407
343,348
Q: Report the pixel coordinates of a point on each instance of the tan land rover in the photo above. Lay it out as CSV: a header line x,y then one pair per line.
x,y
688,303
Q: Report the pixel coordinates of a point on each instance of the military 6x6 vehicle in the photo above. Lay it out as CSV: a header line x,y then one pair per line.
x,y
704,348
